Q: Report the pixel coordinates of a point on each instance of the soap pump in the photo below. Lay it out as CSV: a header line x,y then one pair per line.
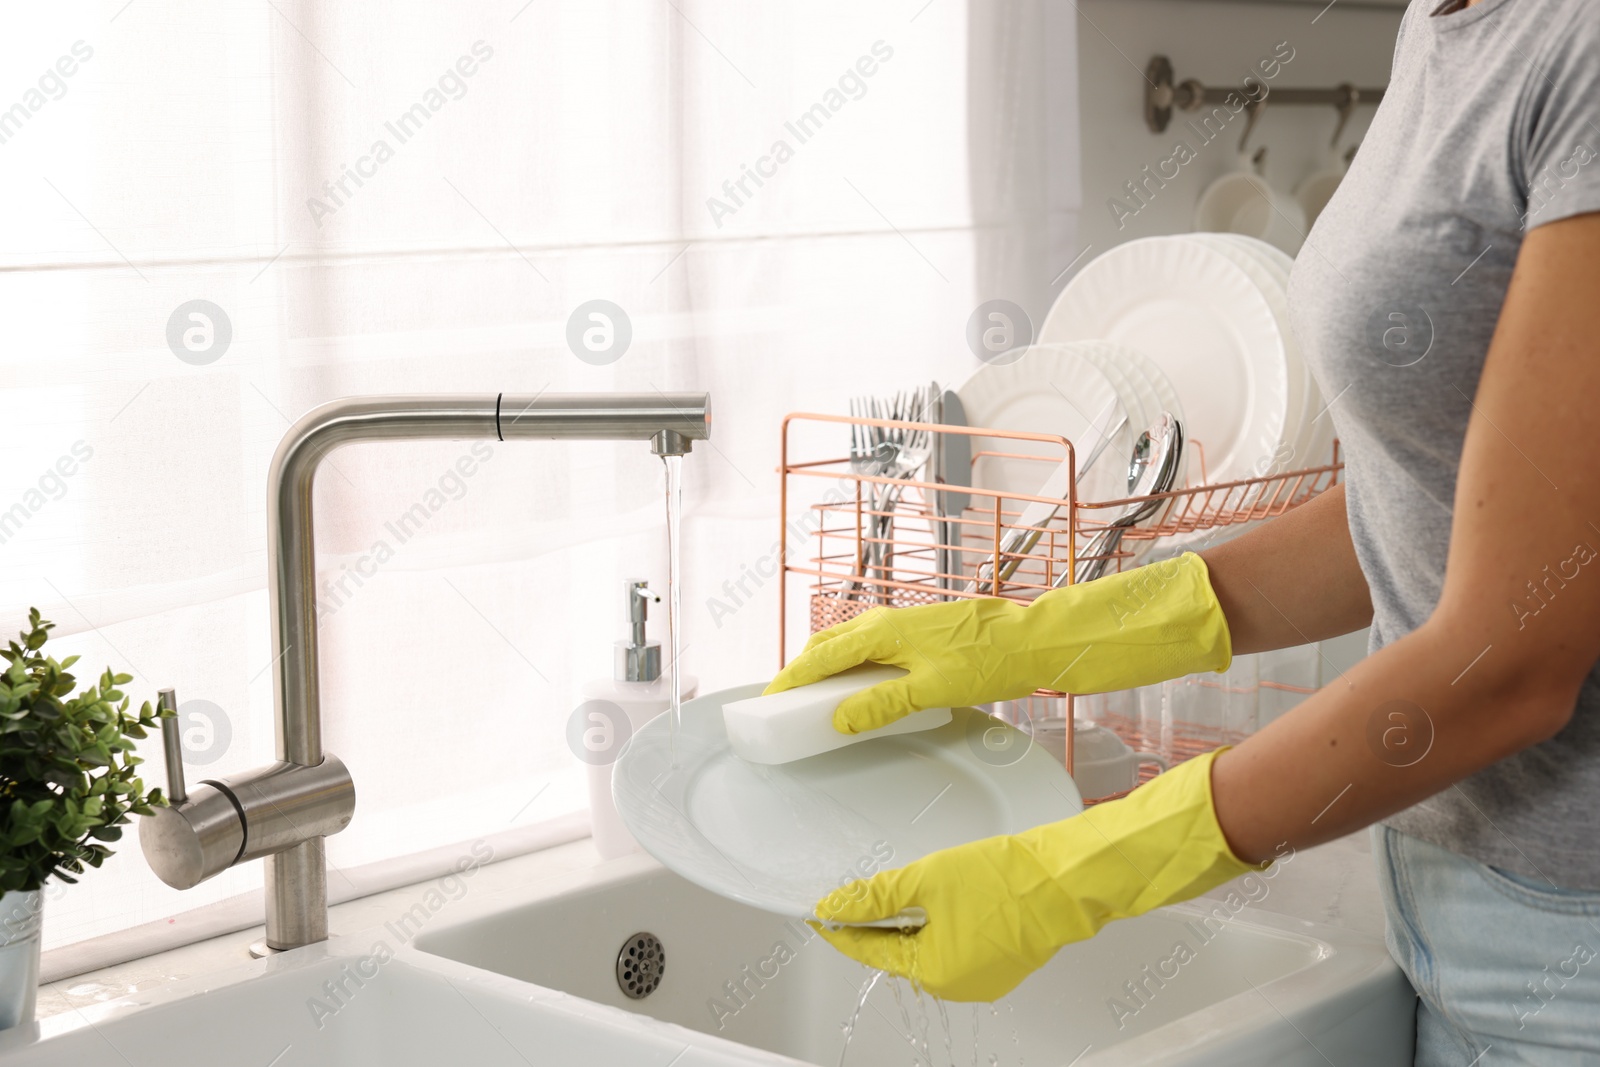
x,y
640,692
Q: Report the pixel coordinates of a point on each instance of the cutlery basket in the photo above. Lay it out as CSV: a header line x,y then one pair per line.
x,y
848,552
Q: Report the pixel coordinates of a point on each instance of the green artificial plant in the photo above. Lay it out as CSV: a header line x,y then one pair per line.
x,y
67,778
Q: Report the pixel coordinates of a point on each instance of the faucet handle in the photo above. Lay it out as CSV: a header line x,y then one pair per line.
x,y
172,746
197,835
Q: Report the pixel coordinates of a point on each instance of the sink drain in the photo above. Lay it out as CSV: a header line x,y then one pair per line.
x,y
640,964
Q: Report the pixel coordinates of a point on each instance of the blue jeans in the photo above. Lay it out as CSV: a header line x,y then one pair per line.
x,y
1506,968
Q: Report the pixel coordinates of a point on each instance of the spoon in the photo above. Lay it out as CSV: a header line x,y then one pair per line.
x,y
1152,468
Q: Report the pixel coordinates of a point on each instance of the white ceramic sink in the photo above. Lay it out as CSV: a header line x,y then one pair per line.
x,y
410,1011
527,975
1262,990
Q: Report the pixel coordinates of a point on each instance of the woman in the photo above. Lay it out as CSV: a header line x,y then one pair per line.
x,y
1449,302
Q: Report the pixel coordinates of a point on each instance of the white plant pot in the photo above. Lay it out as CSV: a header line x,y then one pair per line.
x,y
20,913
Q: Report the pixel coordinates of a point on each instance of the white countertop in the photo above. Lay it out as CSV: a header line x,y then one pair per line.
x,y
1334,884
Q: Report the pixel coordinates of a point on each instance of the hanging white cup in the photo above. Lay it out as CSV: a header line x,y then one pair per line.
x,y
1242,201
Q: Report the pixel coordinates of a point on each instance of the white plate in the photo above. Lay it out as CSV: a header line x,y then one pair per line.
x,y
1314,443
1265,274
1198,316
1146,381
781,838
1047,389
1138,399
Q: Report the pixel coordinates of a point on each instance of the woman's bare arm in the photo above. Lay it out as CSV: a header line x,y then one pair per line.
x,y
1293,581
1482,678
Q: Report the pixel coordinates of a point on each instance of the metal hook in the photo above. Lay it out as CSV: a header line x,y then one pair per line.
x,y
1254,109
1346,107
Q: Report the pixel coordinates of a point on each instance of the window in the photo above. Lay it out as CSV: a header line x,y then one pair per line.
x,y
791,208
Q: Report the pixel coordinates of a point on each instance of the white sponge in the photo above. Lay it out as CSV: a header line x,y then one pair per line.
x,y
797,723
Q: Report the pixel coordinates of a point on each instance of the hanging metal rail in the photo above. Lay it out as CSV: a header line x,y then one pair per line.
x,y
1163,93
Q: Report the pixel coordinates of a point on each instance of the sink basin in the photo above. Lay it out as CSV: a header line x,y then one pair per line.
x,y
1246,988
528,975
408,1011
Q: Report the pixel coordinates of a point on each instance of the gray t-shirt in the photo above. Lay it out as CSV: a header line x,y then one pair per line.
x,y
1490,127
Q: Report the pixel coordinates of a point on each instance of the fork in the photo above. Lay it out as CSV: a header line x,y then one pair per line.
x,y
871,456
892,452
913,449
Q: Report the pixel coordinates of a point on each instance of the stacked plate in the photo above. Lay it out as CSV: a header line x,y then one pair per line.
x,y
1311,441
1211,313
1196,325
1097,394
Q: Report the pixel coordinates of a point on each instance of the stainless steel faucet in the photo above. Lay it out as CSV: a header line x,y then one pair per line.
x,y
283,811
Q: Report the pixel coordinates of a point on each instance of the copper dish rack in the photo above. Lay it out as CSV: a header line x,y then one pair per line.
x,y
840,584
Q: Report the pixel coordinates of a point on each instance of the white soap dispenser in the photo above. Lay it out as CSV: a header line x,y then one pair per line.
x,y
640,691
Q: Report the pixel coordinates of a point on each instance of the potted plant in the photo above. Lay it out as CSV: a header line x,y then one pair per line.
x,y
67,787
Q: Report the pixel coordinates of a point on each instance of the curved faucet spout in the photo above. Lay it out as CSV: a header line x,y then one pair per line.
x,y
284,811
683,417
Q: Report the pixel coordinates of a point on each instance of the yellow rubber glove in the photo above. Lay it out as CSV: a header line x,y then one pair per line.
x,y
1119,632
999,908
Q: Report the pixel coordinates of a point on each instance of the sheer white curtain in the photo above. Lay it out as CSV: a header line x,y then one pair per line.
x,y
414,198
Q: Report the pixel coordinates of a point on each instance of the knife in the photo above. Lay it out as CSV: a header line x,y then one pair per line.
x,y
952,465
1022,537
